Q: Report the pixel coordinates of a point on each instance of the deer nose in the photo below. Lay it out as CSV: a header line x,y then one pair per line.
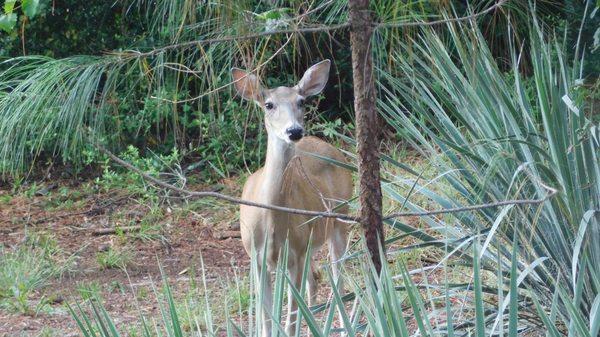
x,y
295,133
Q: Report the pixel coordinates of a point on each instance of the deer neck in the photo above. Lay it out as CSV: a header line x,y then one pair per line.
x,y
279,154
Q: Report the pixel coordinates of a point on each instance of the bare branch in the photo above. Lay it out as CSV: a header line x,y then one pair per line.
x,y
551,193
315,29
439,22
255,70
346,217
205,194
303,30
115,230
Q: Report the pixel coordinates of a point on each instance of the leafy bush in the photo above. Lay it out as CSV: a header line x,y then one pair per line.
x,y
158,90
69,27
116,177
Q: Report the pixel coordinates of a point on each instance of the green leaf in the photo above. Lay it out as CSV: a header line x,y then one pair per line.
x,y
8,22
30,7
273,14
514,295
9,6
479,312
595,317
579,241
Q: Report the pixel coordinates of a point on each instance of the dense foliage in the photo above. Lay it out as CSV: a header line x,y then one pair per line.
x,y
167,99
493,137
66,28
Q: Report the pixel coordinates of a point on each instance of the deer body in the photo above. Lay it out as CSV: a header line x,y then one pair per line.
x,y
292,177
283,182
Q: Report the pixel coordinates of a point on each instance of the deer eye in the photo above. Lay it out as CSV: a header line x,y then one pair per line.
x,y
269,105
301,103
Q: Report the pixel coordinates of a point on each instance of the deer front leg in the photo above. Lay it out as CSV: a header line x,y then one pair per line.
x,y
294,268
265,290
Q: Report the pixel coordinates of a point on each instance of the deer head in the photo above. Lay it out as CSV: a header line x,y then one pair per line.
x,y
283,106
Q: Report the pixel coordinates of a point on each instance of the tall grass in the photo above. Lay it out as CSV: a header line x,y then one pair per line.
x,y
28,268
494,136
385,305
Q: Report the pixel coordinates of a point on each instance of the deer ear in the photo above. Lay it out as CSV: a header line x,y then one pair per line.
x,y
314,79
246,84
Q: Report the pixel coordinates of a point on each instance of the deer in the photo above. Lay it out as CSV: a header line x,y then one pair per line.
x,y
293,176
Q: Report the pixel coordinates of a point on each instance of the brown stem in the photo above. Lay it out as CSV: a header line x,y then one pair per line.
x,y
208,194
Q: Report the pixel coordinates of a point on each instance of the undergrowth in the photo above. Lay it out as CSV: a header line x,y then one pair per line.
x,y
27,268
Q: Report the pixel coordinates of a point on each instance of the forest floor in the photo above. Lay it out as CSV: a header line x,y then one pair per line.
x,y
58,228
54,253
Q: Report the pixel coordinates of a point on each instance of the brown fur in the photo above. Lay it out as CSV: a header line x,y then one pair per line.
x,y
327,179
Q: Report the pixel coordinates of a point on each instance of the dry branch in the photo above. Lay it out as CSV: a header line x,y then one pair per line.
x,y
114,230
91,211
315,29
306,29
439,22
347,217
209,194
228,235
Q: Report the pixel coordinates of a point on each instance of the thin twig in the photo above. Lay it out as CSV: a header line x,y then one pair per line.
x,y
439,22
551,193
303,30
209,194
228,235
91,210
115,230
255,70
315,29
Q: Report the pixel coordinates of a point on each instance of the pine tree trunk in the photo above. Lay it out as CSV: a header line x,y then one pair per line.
x,y
367,127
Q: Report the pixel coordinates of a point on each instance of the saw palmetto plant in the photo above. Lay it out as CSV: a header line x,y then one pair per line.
x,y
494,135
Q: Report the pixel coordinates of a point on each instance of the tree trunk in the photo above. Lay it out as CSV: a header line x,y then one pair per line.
x,y
367,127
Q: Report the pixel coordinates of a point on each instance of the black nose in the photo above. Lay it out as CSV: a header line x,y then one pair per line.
x,y
295,133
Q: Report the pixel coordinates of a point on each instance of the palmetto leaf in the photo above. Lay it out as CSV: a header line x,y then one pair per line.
x,y
498,142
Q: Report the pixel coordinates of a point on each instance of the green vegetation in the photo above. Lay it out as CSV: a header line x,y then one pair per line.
x,y
88,290
12,8
373,298
114,257
27,269
491,141
167,98
495,111
115,177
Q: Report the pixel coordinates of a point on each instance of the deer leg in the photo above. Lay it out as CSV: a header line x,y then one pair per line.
x,y
312,285
265,289
296,278
337,248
